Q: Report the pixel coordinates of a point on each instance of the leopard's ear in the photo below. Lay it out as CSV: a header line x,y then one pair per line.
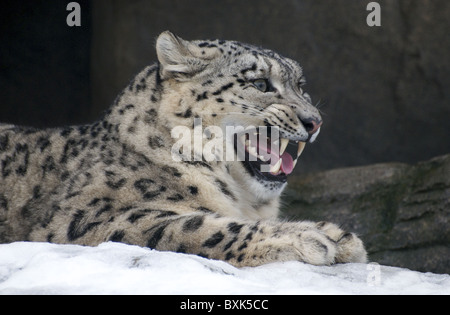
x,y
179,58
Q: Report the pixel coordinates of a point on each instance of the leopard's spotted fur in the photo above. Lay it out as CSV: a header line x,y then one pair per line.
x,y
116,180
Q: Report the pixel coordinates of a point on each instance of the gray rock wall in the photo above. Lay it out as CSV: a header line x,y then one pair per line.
x,y
401,211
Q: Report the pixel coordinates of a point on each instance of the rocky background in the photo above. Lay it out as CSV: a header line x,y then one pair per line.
x,y
401,211
383,92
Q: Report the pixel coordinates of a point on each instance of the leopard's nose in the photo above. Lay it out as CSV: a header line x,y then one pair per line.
x,y
311,125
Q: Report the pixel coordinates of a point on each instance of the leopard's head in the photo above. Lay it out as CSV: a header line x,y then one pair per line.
x,y
254,92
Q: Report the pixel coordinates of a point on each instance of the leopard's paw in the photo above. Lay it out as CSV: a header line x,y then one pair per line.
x,y
350,248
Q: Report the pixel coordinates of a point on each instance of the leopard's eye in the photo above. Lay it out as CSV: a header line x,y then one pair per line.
x,y
263,85
300,84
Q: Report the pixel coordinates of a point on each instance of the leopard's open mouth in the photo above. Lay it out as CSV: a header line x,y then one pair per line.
x,y
266,158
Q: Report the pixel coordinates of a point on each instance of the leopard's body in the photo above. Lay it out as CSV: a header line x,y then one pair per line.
x,y
117,180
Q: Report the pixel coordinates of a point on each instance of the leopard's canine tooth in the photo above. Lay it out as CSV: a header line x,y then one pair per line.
x,y
283,146
276,168
301,147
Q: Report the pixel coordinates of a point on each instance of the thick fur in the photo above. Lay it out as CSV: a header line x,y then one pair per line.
x,y
116,180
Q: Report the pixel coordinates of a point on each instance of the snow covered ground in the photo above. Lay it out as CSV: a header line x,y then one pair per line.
x,y
113,268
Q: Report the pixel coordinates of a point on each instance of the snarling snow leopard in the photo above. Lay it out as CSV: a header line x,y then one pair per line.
x,y
120,179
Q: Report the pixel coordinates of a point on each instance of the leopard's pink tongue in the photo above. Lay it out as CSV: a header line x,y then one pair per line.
x,y
287,163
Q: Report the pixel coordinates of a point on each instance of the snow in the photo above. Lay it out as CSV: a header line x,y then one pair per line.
x,y
114,268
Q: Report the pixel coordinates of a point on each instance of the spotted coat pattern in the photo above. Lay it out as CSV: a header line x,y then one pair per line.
x,y
115,179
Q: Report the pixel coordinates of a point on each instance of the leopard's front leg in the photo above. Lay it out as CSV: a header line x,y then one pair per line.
x,y
309,242
241,242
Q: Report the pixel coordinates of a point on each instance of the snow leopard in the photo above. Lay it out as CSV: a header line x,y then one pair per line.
x,y
129,177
